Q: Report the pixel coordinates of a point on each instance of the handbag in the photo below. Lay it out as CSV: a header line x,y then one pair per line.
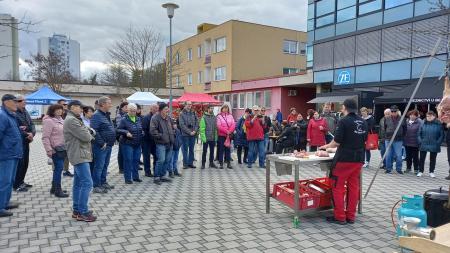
x,y
231,135
372,141
227,142
60,151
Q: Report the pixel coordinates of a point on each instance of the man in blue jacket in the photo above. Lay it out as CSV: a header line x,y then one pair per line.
x,y
11,151
104,141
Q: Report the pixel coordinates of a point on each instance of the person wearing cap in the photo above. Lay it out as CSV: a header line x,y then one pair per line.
x,y
11,151
103,143
161,129
349,139
77,139
208,135
188,122
28,131
255,138
390,124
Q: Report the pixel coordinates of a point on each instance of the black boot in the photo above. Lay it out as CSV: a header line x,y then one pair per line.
x,y
220,165
212,165
52,190
229,165
59,192
203,166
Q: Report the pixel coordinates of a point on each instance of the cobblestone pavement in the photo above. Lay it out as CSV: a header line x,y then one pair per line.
x,y
204,211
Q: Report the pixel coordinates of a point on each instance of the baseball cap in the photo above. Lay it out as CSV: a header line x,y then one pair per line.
x,y
75,102
394,108
7,97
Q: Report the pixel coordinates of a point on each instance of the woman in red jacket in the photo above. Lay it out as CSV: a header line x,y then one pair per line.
x,y
317,129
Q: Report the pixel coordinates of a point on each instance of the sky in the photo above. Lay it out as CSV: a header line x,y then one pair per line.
x,y
96,24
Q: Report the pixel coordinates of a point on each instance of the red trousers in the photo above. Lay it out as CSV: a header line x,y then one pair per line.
x,y
346,173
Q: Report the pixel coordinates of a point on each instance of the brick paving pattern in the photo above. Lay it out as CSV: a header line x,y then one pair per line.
x,y
204,211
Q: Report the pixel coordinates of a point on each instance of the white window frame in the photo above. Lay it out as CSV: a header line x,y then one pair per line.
x,y
189,54
249,99
301,48
223,73
292,47
235,100
267,93
177,81
177,58
199,51
241,105
291,71
258,103
200,77
220,47
225,96
189,79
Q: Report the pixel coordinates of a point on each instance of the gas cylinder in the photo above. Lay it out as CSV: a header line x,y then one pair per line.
x,y
412,206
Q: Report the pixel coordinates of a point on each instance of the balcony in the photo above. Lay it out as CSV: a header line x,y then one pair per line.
x,y
208,59
207,86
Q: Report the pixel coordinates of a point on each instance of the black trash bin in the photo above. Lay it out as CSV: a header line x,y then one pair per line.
x,y
436,207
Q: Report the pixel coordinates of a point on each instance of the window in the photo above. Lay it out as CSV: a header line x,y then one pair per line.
x,y
345,3
290,47
436,68
370,20
344,52
323,76
368,48
177,81
310,37
368,73
393,3
399,13
200,77
310,25
199,51
396,70
267,98
323,56
324,7
424,7
423,43
288,71
396,43
241,100
369,7
257,98
189,79
302,47
219,74
189,54
220,44
346,27
249,99
310,11
309,55
346,14
226,98
235,101
177,58
325,20
324,32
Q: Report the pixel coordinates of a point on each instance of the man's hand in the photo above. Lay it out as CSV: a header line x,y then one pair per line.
x,y
129,135
193,133
324,147
30,137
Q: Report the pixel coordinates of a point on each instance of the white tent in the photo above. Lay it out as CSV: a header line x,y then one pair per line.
x,y
144,98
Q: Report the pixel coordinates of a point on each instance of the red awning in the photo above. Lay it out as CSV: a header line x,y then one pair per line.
x,y
196,98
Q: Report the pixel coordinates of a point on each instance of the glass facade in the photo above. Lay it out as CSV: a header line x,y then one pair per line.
x,y
398,13
368,73
370,7
396,70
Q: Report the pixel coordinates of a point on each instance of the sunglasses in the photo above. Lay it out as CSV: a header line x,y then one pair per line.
x,y
19,101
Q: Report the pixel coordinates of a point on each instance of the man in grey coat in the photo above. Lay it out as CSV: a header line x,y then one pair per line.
x,y
189,128
77,139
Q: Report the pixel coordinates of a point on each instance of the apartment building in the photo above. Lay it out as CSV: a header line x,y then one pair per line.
x,y
218,55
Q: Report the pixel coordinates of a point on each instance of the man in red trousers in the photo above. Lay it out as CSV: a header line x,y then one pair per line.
x,y
350,137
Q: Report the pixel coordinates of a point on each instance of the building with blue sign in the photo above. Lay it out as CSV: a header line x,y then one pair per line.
x,y
376,45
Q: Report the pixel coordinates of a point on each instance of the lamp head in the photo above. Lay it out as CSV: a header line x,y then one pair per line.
x,y
170,9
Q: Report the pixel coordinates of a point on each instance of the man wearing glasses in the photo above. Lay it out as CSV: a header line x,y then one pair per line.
x,y
66,173
28,131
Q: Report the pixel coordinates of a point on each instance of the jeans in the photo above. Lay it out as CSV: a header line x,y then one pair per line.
x,y
131,156
7,176
22,166
174,162
164,154
147,149
423,156
412,158
101,163
120,158
222,149
239,154
266,141
82,186
395,151
367,156
58,166
382,151
188,150
211,145
254,148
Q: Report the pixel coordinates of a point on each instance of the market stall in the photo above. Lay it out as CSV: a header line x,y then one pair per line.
x,y
303,196
144,98
36,101
199,103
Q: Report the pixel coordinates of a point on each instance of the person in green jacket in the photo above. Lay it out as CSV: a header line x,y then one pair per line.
x,y
208,135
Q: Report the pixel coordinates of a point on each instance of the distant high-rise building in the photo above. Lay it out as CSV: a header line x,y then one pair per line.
x,y
9,48
67,49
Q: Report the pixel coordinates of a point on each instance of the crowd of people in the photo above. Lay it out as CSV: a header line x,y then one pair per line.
x,y
84,137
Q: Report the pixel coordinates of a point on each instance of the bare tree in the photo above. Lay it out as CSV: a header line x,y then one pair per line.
x,y
137,50
51,69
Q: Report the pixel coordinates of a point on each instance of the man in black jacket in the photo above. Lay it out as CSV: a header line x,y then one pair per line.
x,y
148,145
28,131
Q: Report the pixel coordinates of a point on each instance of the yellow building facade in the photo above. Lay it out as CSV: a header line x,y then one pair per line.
x,y
218,55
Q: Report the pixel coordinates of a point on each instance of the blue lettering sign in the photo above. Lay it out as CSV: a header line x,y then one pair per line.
x,y
344,77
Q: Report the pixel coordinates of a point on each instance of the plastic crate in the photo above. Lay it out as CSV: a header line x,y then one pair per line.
x,y
324,186
308,199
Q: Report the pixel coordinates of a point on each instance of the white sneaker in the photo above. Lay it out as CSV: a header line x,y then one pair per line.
x,y
366,165
419,174
432,175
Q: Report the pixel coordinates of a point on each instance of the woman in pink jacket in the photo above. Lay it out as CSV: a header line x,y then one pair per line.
x,y
225,127
53,140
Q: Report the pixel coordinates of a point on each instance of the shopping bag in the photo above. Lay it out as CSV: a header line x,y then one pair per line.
x,y
227,142
372,141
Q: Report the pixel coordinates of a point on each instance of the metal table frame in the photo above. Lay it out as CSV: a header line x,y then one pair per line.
x,y
296,164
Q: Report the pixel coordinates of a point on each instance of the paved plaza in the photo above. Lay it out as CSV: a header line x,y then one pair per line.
x,y
204,211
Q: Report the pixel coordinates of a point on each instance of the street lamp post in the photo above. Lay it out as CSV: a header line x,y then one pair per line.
x,y
170,12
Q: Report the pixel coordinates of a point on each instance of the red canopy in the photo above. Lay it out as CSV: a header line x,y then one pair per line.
x,y
196,98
